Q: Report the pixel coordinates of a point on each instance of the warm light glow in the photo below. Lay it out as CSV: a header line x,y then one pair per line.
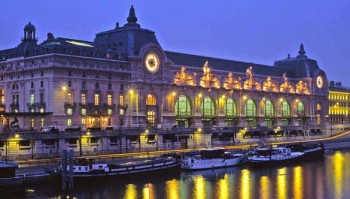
x,y
131,91
223,188
173,93
282,183
130,191
64,88
200,95
223,96
264,187
297,100
263,98
298,182
17,135
338,174
199,191
245,184
146,131
172,189
199,129
244,97
281,99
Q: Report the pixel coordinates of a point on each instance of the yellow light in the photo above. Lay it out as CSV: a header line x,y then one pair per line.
x,y
88,133
263,98
17,135
281,99
199,95
244,97
173,93
131,91
223,96
297,100
64,88
199,129
282,183
146,131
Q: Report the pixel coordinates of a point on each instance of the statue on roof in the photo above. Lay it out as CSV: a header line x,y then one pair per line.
x,y
209,80
249,72
285,76
183,78
232,83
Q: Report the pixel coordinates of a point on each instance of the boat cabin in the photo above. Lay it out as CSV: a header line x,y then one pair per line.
x,y
272,151
8,170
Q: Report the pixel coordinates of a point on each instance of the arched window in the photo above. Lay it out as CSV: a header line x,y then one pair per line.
x,y
207,107
183,106
230,108
151,100
285,109
269,109
300,109
250,108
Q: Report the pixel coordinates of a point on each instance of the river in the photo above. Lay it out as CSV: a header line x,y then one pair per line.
x,y
328,178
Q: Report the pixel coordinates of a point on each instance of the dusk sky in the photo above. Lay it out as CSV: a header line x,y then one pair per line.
x,y
250,31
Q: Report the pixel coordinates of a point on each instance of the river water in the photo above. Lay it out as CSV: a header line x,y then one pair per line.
x,y
324,179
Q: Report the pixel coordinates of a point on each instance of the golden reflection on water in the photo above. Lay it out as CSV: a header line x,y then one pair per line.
x,y
338,162
223,188
172,189
264,187
199,191
130,191
245,184
298,182
282,183
148,191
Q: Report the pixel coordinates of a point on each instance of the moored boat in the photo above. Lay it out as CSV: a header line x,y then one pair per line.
x,y
312,151
212,158
8,176
83,168
273,156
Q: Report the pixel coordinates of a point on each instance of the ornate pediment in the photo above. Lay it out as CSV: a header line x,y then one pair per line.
x,y
302,88
183,78
209,80
269,85
250,83
232,83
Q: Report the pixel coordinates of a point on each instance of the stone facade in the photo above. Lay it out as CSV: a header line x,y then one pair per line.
x,y
124,79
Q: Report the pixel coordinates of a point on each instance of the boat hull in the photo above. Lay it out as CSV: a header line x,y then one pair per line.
x,y
213,163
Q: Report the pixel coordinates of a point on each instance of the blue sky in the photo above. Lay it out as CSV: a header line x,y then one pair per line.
x,y
251,31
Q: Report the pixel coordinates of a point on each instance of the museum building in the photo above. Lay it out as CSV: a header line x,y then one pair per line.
x,y
125,79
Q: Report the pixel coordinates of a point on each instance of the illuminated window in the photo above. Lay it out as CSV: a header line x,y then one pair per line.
x,y
41,110
97,99
285,109
230,108
42,122
250,108
269,109
121,111
318,106
2,94
70,98
69,111
151,100
83,98
32,98
32,122
109,111
121,100
69,122
109,100
301,109
83,121
207,107
151,118
182,106
83,111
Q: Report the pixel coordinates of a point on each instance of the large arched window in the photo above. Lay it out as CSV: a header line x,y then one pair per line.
x,y
250,108
285,109
269,109
151,100
183,106
230,108
207,107
300,109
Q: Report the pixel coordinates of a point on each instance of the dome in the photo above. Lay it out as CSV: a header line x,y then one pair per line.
x,y
29,27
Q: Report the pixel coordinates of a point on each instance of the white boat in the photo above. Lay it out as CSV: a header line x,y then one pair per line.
x,y
211,158
272,156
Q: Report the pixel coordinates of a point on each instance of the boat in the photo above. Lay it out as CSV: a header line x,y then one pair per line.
x,y
274,156
211,158
84,167
8,176
312,151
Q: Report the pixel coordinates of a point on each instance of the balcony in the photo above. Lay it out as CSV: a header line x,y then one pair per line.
x,y
40,104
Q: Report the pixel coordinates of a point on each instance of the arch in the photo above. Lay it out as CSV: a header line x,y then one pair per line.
x,y
230,108
207,107
285,109
182,106
250,108
151,100
300,109
269,109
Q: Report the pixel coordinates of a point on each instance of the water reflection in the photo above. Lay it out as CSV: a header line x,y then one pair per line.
x,y
329,178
